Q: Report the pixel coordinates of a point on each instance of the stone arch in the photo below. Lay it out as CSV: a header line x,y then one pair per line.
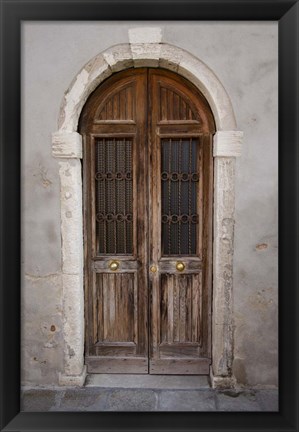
x,y
146,50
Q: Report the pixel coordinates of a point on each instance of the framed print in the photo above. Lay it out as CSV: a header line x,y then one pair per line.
x,y
149,215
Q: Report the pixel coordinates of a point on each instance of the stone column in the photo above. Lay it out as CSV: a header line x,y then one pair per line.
x,y
67,147
226,147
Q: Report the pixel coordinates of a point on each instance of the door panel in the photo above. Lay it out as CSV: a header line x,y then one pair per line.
x,y
180,341
116,276
147,230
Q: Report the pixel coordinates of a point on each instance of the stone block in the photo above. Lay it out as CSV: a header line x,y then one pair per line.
x,y
182,400
90,76
84,399
73,380
73,324
231,400
227,144
269,399
204,78
67,145
170,57
37,400
119,57
147,381
132,400
145,35
71,216
146,55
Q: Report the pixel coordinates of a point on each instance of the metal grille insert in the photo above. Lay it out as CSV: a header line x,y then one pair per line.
x,y
179,178
114,196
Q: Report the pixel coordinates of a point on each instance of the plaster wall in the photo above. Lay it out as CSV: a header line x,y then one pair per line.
x,y
244,57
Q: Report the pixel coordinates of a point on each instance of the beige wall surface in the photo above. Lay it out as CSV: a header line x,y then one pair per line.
x,y
244,56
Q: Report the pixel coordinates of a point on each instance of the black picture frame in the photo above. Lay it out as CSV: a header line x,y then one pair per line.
x,y
286,12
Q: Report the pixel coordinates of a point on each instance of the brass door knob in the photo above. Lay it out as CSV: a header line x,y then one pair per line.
x,y
113,265
153,268
180,266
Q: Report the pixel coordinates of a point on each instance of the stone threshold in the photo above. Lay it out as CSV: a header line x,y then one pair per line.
x,y
158,382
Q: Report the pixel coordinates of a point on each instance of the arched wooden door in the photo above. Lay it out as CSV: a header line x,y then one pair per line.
x,y
148,225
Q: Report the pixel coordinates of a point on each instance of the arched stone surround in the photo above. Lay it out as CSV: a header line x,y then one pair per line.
x,y
146,50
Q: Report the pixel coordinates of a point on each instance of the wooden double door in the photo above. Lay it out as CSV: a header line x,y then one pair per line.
x,y
147,137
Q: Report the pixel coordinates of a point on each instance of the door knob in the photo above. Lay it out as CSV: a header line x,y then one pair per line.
x,y
180,266
153,268
113,265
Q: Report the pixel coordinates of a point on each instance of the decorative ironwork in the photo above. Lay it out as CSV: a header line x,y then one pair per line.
x,y
114,196
179,178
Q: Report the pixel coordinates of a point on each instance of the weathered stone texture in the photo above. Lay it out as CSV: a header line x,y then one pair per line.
x,y
67,145
181,400
227,143
145,35
71,216
222,323
90,76
119,57
207,82
73,321
238,401
42,329
146,55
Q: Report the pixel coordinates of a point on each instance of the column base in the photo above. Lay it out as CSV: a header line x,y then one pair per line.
x,y
222,382
73,380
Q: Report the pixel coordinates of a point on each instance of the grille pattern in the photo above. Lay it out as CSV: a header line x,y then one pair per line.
x,y
179,178
114,196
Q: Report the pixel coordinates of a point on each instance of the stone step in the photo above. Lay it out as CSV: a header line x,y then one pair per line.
x,y
159,382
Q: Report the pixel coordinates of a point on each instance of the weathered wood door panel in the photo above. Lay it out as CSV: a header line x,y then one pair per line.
x,y
180,242
147,194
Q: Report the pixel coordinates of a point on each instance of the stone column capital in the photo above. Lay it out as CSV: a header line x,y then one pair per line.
x,y
227,143
67,145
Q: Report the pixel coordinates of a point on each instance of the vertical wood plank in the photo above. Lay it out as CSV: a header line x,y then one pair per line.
x,y
116,106
170,337
109,109
129,104
105,305
163,103
182,318
183,109
169,105
200,306
112,321
99,306
176,308
195,308
122,104
188,334
176,107
164,308
94,331
121,319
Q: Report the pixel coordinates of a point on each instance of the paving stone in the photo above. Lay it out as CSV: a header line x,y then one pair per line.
x,y
231,400
269,400
39,400
182,400
132,400
144,399
84,399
